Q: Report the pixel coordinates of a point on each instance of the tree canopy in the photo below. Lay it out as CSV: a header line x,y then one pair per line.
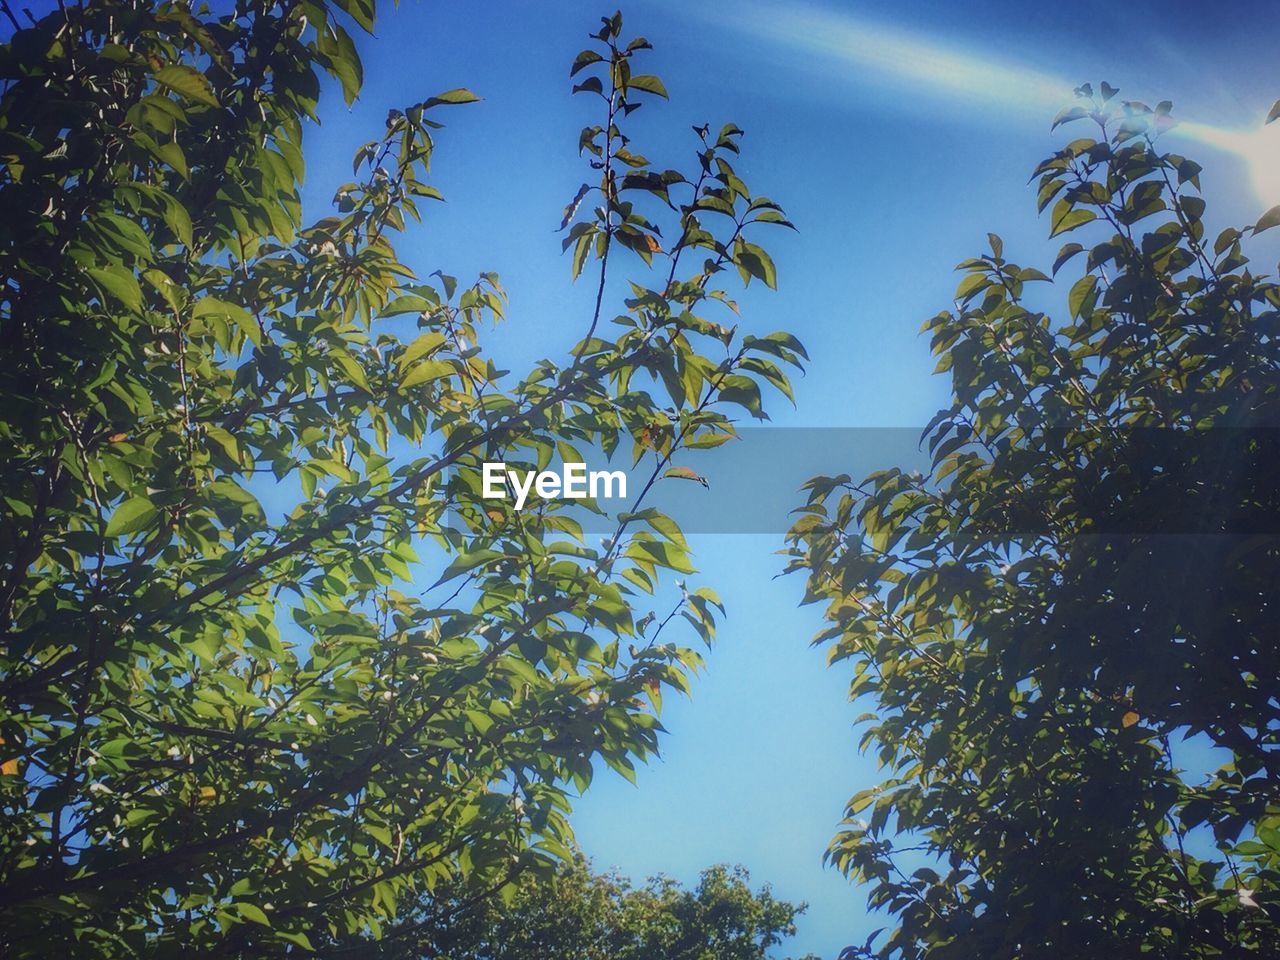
x,y
237,448
1065,629
575,914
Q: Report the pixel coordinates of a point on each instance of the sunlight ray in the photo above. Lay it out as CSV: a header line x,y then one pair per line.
x,y
931,69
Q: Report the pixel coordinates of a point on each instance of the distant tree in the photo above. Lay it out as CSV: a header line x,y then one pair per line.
x,y
1085,579
575,914
234,445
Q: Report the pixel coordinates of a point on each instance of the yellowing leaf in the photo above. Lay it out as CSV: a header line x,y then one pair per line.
x,y
684,473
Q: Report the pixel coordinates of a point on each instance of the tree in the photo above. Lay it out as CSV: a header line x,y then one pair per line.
x,y
575,914
236,446
1055,623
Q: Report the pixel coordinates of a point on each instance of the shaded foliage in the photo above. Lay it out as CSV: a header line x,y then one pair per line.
x,y
236,445
1057,623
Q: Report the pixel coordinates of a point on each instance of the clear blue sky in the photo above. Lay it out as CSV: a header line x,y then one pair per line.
x,y
896,135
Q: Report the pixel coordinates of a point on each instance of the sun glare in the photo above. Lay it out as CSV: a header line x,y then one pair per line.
x,y
1259,149
1262,151
934,69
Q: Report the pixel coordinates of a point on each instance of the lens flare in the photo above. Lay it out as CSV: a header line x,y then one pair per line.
x,y
931,70
1259,149
879,52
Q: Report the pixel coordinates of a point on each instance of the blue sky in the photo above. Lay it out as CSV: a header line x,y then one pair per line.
x,y
896,135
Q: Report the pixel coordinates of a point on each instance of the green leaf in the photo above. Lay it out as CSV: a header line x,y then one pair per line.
x,y
297,939
409,303
242,318
468,561
971,285
572,207
251,912
1067,114
1082,292
187,81
362,11
743,391
665,525
173,213
170,152
1066,253
1066,219
582,247
426,343
665,554
480,720
424,371
123,233
460,95
225,491
178,220
133,516
649,84
752,260
775,343
1268,220
225,440
353,369
706,441
583,60
120,283
342,60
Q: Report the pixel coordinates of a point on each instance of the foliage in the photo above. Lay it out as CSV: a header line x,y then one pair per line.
x,y
1057,622
236,445
577,915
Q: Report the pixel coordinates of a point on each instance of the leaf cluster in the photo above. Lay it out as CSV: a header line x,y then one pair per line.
x,y
1074,603
236,449
576,914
